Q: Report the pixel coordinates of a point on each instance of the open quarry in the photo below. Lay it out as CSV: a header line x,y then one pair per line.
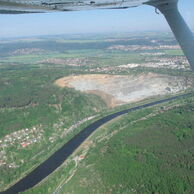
x,y
117,90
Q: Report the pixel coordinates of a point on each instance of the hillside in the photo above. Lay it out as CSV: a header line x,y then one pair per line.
x,y
117,90
148,151
53,87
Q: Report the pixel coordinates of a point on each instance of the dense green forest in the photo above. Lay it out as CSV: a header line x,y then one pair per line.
x,y
30,99
143,155
37,117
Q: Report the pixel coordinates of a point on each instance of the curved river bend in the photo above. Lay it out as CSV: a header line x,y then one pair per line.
x,y
55,160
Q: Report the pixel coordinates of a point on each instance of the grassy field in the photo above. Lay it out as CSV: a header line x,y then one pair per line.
x,y
174,52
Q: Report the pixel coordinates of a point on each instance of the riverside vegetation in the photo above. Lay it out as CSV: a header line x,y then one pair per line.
x,y
37,117
147,151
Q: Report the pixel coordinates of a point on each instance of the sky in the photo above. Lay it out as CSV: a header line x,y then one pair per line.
x,y
142,18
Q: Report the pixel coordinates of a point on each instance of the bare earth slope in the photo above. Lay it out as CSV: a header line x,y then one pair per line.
x,y
120,89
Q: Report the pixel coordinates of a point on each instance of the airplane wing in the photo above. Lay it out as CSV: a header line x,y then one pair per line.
x,y
40,6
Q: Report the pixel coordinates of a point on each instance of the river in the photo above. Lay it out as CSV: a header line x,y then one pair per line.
x,y
56,159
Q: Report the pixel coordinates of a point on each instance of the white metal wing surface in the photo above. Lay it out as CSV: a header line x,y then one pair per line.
x,y
34,6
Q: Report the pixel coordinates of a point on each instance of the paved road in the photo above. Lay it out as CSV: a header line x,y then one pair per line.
x,y
55,160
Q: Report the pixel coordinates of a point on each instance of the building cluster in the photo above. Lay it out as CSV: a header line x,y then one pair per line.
x,y
175,62
153,54
69,130
19,139
70,61
61,132
142,47
28,51
29,136
101,70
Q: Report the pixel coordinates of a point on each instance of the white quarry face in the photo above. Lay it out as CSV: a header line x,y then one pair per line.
x,y
30,6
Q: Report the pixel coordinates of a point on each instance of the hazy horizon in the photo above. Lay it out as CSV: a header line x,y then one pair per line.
x,y
90,34
142,18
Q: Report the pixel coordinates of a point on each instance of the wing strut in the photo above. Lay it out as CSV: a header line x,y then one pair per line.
x,y
179,27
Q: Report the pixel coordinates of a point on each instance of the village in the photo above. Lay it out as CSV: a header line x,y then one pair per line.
x,y
143,47
24,138
176,62
19,139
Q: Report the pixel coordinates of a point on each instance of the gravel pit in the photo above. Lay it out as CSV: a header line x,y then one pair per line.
x,y
117,90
